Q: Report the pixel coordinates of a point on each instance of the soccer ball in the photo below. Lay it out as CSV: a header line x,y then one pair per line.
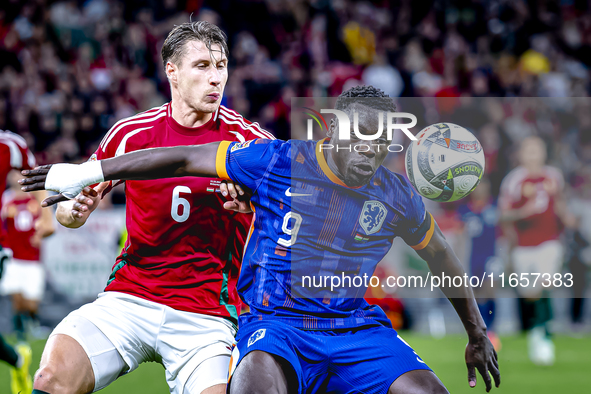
x,y
445,163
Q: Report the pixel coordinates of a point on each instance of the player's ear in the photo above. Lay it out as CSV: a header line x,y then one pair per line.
x,y
171,72
331,128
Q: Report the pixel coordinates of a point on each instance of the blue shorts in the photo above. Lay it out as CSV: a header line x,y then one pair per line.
x,y
360,360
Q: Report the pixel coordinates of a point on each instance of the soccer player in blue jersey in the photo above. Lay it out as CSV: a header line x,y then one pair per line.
x,y
317,211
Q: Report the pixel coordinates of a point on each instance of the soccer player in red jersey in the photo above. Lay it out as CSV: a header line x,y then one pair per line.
x,y
171,297
24,276
14,154
532,201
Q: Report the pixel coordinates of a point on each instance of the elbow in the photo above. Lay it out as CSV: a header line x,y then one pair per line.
x,y
442,251
436,255
439,255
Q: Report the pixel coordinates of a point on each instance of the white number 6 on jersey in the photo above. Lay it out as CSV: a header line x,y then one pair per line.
x,y
179,201
293,231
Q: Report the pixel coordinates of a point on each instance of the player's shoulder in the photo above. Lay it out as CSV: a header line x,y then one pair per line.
x,y
7,137
238,125
262,149
391,181
16,153
7,198
396,190
134,124
304,145
514,178
305,148
553,172
260,144
303,153
259,150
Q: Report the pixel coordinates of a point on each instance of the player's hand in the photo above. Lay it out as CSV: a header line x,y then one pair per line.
x,y
87,201
35,180
35,239
240,199
66,179
481,356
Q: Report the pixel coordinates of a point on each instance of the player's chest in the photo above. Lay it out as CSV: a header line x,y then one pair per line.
x,y
531,188
335,216
172,190
162,136
177,190
21,216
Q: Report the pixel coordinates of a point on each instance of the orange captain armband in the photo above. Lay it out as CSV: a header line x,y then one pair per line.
x,y
220,160
427,238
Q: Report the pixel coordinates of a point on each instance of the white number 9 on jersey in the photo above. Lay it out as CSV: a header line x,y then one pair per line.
x,y
293,231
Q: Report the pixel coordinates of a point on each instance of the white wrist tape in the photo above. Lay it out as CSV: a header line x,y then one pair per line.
x,y
70,179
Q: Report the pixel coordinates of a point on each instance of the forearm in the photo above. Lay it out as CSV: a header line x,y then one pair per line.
x,y
44,225
511,215
443,263
70,179
564,214
462,297
196,160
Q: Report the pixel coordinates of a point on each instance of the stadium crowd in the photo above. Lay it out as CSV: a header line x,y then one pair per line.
x,y
70,69
507,70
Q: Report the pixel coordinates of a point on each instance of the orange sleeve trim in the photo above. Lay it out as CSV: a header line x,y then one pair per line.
x,y
428,236
220,160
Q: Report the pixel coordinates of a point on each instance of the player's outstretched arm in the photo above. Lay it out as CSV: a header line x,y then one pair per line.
x,y
480,353
70,179
195,160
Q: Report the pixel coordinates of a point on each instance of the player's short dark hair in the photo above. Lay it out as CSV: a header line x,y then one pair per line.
x,y
366,95
208,33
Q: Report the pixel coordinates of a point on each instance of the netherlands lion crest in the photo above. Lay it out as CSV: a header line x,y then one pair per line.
x,y
372,216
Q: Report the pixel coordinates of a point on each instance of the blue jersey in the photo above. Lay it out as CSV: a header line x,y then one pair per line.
x,y
481,229
308,221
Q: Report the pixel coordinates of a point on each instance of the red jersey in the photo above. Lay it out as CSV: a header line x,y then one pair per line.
x,y
19,214
14,154
183,248
519,188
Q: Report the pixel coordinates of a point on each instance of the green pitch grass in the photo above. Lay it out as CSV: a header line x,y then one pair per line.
x,y
570,374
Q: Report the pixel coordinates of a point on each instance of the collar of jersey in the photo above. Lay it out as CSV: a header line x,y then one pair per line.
x,y
191,131
326,169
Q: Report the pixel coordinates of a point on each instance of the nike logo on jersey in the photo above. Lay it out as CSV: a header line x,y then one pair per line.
x,y
288,193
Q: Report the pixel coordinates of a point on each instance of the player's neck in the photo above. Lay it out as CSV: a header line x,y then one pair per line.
x,y
333,166
17,193
187,116
535,170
